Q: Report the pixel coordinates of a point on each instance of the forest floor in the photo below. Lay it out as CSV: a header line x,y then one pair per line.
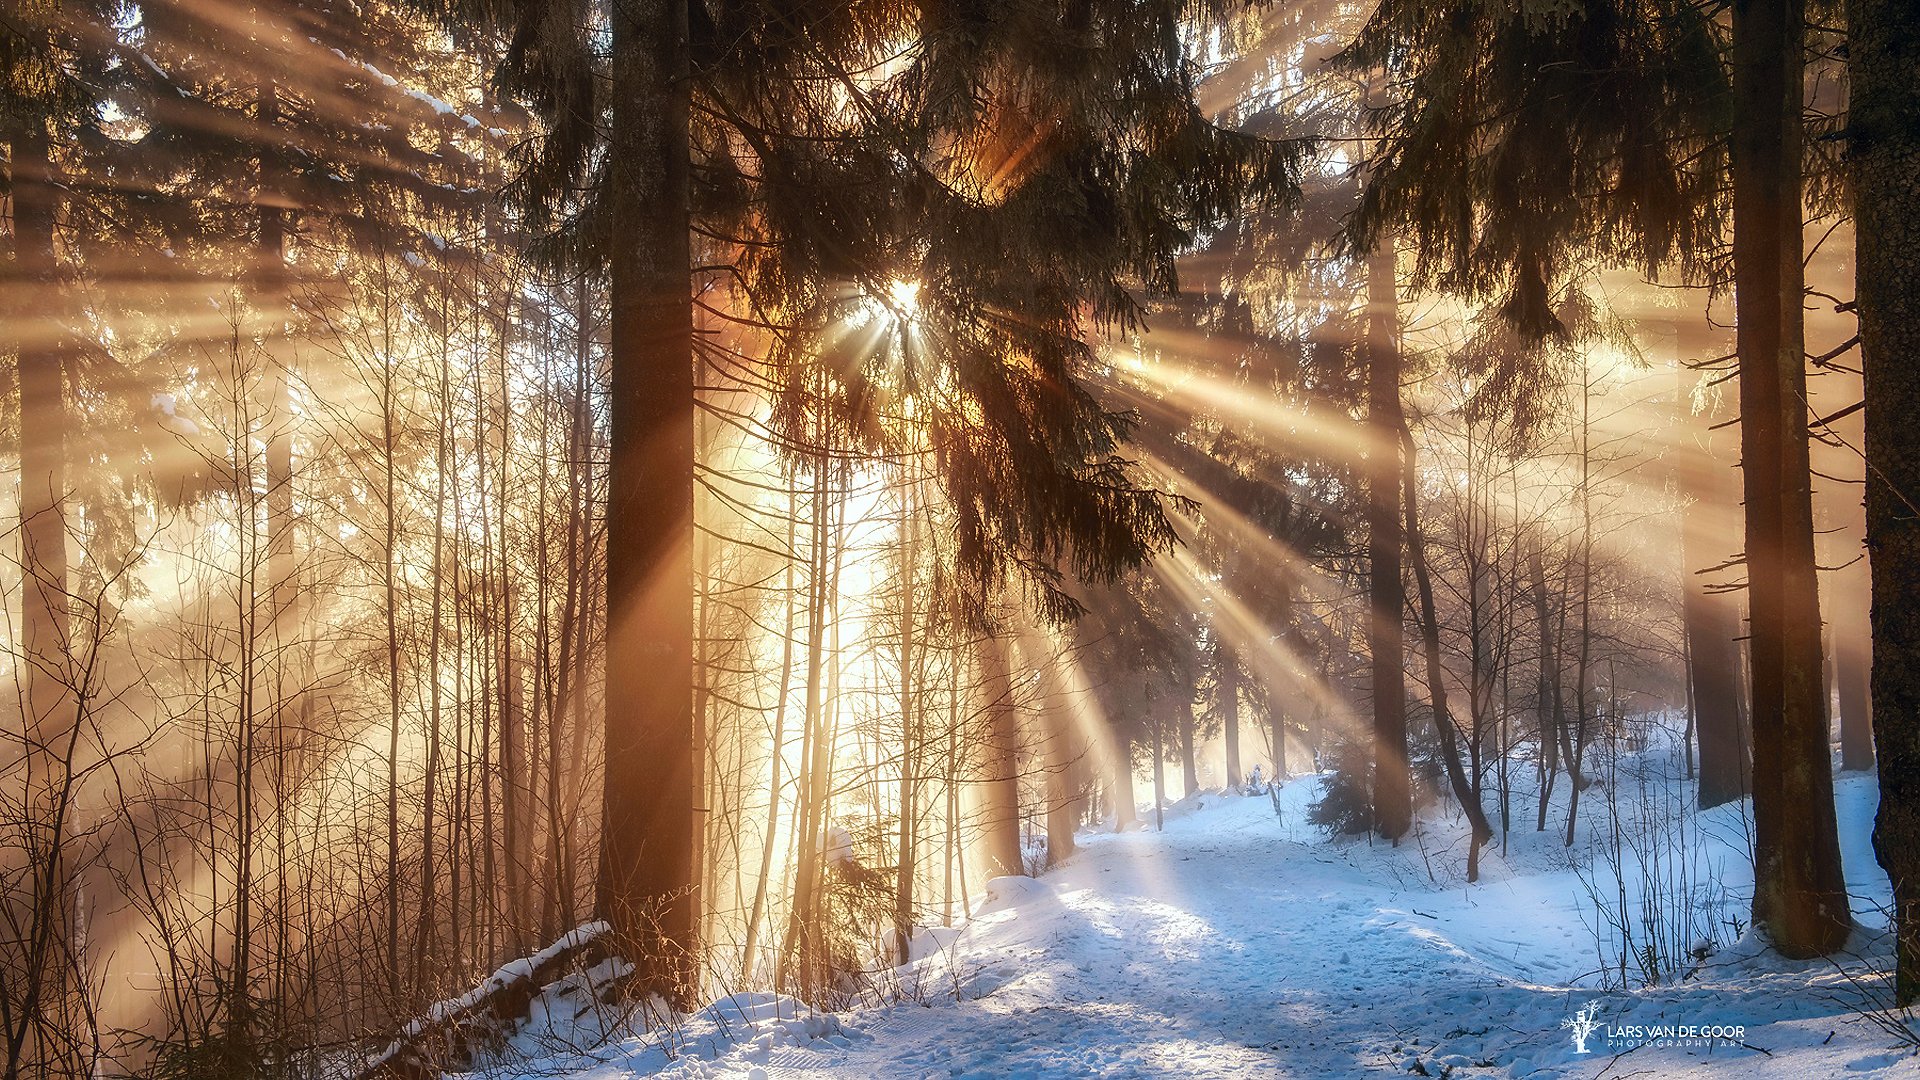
x,y
1242,942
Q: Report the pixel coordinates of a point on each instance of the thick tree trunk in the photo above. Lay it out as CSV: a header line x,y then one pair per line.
x,y
647,887
1712,622
1883,61
1227,690
1851,665
1799,895
1853,662
1126,807
1000,790
1063,797
1067,751
1392,788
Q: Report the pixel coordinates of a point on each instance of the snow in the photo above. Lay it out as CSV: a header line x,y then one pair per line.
x,y
1243,942
438,105
507,973
164,406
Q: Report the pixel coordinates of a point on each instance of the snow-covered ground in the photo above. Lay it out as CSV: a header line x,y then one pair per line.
x,y
1242,942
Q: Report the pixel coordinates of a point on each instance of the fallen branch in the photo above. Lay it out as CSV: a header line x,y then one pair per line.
x,y
447,1036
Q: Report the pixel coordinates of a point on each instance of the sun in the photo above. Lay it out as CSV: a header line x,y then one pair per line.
x,y
904,296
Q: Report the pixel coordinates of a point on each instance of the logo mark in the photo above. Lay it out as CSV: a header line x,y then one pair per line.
x,y
1583,1024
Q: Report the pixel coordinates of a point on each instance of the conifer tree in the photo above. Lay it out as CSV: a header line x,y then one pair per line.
x,y
1883,130
1520,147
1024,168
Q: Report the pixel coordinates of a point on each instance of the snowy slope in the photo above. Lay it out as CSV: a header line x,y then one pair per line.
x,y
1240,942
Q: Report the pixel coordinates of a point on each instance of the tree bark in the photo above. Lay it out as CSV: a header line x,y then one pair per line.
x,y
1189,766
1853,661
1227,690
1000,791
1799,895
1712,622
1883,62
755,914
911,730
1548,706
646,886
1126,807
1392,787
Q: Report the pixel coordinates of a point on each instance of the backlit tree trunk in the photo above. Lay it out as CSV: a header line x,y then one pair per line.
x,y
1798,892
1000,788
1227,690
646,884
1712,621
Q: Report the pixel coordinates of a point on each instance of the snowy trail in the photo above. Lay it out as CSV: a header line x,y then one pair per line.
x,y
1238,943
1223,947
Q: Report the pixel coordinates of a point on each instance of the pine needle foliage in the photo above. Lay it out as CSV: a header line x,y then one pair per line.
x,y
1519,142
1033,168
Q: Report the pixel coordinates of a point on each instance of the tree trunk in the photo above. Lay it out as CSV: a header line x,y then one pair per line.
x,y
1548,703
646,886
1126,807
49,700
911,731
1189,767
1884,66
284,596
1712,622
1392,788
1463,790
801,921
1227,689
1799,896
1853,661
1066,751
1000,798
755,915
1159,776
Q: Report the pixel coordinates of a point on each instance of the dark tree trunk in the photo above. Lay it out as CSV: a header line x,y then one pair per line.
x,y
647,886
1883,62
1392,788
1853,661
1548,703
1799,896
1712,623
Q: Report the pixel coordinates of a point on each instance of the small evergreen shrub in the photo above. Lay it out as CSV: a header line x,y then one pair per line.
x,y
1345,806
